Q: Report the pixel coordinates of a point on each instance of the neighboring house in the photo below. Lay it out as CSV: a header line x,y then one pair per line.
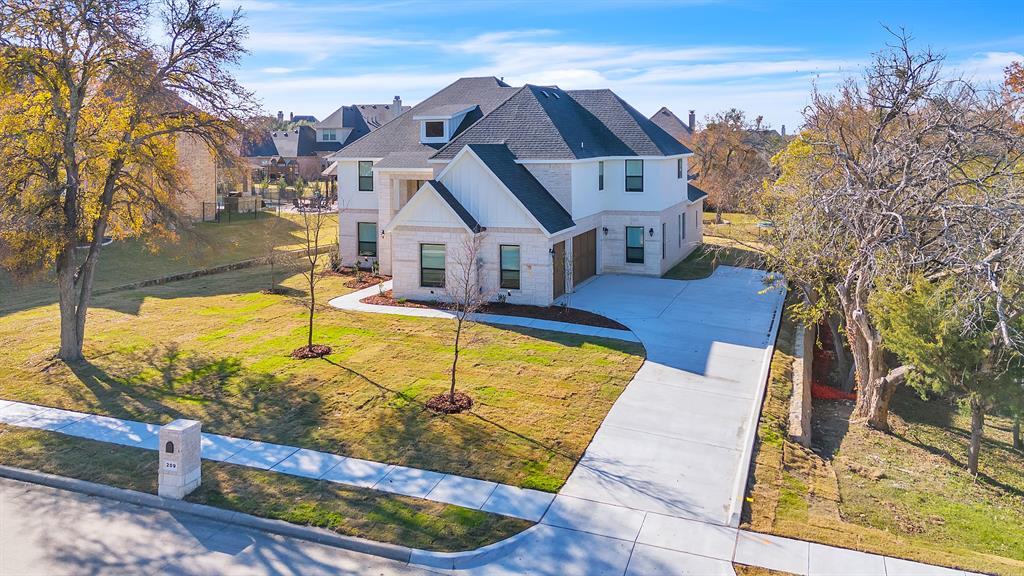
x,y
198,167
301,150
564,184
669,122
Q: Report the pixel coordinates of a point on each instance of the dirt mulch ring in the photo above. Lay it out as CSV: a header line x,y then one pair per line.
x,y
314,351
366,281
555,313
444,404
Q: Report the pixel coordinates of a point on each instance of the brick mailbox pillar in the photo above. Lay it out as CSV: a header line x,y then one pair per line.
x,y
180,448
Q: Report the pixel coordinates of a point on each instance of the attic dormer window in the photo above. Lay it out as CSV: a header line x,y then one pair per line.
x,y
434,129
329,135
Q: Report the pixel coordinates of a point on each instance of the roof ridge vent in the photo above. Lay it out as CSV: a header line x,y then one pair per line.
x,y
545,93
557,97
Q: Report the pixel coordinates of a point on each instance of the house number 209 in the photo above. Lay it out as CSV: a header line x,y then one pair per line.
x,y
170,465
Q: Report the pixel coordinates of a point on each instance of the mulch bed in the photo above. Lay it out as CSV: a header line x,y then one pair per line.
x,y
314,351
366,280
555,313
443,404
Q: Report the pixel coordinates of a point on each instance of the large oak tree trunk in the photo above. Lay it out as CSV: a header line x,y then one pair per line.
x,y
977,431
874,389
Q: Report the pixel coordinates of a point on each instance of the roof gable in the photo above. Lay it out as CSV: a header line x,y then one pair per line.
x,y
401,136
434,205
529,192
672,124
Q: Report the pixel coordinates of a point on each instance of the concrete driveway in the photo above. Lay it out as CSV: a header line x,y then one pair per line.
x,y
677,440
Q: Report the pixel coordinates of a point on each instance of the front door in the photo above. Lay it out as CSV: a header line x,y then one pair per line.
x,y
558,270
584,256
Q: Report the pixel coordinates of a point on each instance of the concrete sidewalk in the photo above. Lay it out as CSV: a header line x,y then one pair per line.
x,y
429,485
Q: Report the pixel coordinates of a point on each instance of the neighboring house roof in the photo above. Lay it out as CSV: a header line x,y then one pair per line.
x,y
693,193
397,142
547,123
672,124
300,141
456,206
303,118
361,118
530,193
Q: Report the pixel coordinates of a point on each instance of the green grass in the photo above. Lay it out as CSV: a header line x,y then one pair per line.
x,y
701,263
205,245
906,494
350,511
216,350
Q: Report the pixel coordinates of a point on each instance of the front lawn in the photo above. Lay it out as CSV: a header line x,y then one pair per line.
x,y
905,494
216,349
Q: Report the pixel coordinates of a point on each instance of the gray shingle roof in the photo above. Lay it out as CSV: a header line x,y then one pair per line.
x,y
531,193
401,137
672,124
541,122
693,193
457,206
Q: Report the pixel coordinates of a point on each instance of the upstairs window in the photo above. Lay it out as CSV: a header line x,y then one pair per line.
x,y
433,129
365,176
679,168
635,244
509,257
328,135
600,175
634,175
367,232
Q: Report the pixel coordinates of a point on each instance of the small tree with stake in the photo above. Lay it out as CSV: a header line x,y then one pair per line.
x,y
313,222
466,293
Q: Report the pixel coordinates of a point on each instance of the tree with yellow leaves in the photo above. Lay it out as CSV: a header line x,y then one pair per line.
x,y
91,110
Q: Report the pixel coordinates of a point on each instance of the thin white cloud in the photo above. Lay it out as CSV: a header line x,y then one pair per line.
x,y
988,67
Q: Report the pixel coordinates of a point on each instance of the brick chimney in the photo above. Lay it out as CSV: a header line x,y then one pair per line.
x,y
693,121
396,107
291,116
280,116
783,129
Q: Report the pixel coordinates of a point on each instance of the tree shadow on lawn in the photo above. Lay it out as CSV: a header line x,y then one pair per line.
x,y
414,441
166,383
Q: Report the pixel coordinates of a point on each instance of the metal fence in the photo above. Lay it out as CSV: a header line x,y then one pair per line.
x,y
231,208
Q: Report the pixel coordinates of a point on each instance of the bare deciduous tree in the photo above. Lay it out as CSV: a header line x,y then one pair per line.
x,y
313,222
733,158
884,173
466,293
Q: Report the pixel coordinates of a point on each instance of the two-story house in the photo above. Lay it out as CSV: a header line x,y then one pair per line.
x,y
564,185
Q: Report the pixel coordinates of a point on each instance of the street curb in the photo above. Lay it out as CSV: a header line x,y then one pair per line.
x,y
279,527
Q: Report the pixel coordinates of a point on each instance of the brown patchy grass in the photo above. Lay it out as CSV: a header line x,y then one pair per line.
x,y
744,570
349,511
217,350
905,494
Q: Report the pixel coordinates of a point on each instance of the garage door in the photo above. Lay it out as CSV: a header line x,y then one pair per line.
x,y
584,256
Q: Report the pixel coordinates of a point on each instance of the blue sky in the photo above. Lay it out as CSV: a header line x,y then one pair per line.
x,y
312,56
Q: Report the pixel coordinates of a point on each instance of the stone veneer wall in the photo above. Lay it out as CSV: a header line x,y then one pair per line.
x,y
557,179
199,172
535,262
348,239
